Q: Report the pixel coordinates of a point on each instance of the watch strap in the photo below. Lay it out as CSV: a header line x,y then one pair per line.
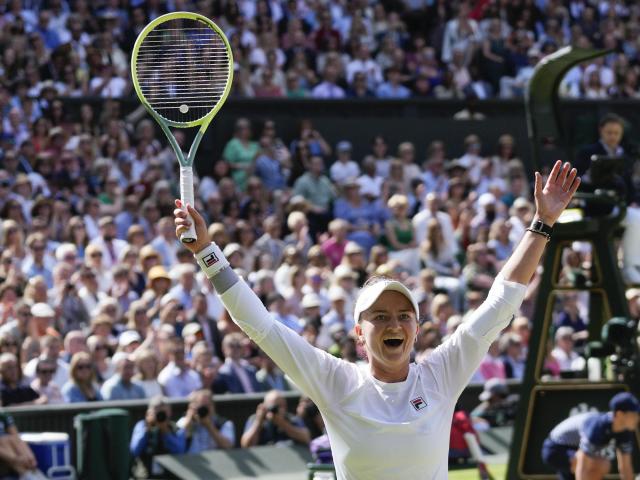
x,y
541,228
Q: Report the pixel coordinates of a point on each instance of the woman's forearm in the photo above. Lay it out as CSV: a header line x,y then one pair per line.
x,y
524,260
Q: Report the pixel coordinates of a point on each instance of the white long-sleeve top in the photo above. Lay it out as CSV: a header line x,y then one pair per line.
x,y
382,430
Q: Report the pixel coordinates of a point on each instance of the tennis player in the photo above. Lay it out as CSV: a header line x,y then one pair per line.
x,y
392,418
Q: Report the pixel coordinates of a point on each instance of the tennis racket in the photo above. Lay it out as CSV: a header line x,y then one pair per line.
x,y
182,69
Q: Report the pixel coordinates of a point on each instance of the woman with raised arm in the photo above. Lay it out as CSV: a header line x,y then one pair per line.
x,y
389,419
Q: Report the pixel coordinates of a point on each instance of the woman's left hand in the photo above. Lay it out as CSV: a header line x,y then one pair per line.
x,y
561,185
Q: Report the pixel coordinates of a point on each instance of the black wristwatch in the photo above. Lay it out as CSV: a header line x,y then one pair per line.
x,y
541,228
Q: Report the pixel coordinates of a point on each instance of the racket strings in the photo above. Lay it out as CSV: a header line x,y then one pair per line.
x,y
183,68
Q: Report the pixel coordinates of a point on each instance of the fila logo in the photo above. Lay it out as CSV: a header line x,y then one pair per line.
x,y
418,403
210,259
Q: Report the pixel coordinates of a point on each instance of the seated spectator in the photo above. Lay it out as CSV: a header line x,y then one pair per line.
x,y
81,386
492,365
270,377
155,435
511,350
392,88
497,409
148,367
41,321
570,317
16,458
271,424
178,379
12,390
205,364
344,168
121,385
202,428
399,234
99,350
563,352
50,350
43,383
277,307
236,375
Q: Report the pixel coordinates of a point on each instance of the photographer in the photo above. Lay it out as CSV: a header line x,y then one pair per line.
x,y
271,424
202,428
155,435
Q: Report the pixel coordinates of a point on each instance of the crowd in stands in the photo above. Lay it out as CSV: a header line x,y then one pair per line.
x,y
338,49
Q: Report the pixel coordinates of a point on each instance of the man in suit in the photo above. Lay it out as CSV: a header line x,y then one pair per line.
x,y
611,128
209,325
236,375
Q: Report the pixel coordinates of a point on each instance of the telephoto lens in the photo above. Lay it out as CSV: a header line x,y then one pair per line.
x,y
161,416
202,411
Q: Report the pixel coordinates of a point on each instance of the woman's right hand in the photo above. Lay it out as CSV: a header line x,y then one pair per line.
x,y
183,223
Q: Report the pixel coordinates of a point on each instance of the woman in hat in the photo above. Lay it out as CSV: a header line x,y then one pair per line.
x,y
393,402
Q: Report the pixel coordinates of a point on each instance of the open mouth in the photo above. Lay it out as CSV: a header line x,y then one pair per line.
x,y
393,342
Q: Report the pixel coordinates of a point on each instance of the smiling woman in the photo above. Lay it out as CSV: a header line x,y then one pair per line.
x,y
389,419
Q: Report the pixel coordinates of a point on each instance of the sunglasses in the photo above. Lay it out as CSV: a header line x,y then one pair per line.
x,y
46,372
8,344
102,347
83,367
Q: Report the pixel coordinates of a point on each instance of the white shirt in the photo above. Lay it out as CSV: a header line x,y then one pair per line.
x,y
365,416
343,171
59,378
178,383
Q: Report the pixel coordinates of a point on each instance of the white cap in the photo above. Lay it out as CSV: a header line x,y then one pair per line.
x,y
486,199
42,309
232,248
344,271
128,337
311,300
370,294
191,329
336,293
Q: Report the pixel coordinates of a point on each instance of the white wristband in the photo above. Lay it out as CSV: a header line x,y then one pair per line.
x,y
211,260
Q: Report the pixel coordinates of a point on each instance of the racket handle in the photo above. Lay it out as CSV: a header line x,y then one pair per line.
x,y
187,197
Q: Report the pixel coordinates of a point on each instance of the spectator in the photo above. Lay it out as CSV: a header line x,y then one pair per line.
x,y
43,384
344,168
51,348
497,409
236,375
81,385
209,326
269,376
202,428
563,352
328,88
155,435
121,386
399,235
148,368
241,152
511,349
98,347
178,379
317,189
271,424
392,88
12,390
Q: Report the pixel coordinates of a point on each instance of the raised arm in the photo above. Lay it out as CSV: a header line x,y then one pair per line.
x,y
550,203
319,375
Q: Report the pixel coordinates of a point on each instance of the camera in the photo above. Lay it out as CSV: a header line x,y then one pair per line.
x,y
273,409
202,411
620,346
161,416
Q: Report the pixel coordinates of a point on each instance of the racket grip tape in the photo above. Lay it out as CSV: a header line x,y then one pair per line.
x,y
187,197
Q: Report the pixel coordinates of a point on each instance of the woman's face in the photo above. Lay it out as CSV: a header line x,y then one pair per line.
x,y
388,329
